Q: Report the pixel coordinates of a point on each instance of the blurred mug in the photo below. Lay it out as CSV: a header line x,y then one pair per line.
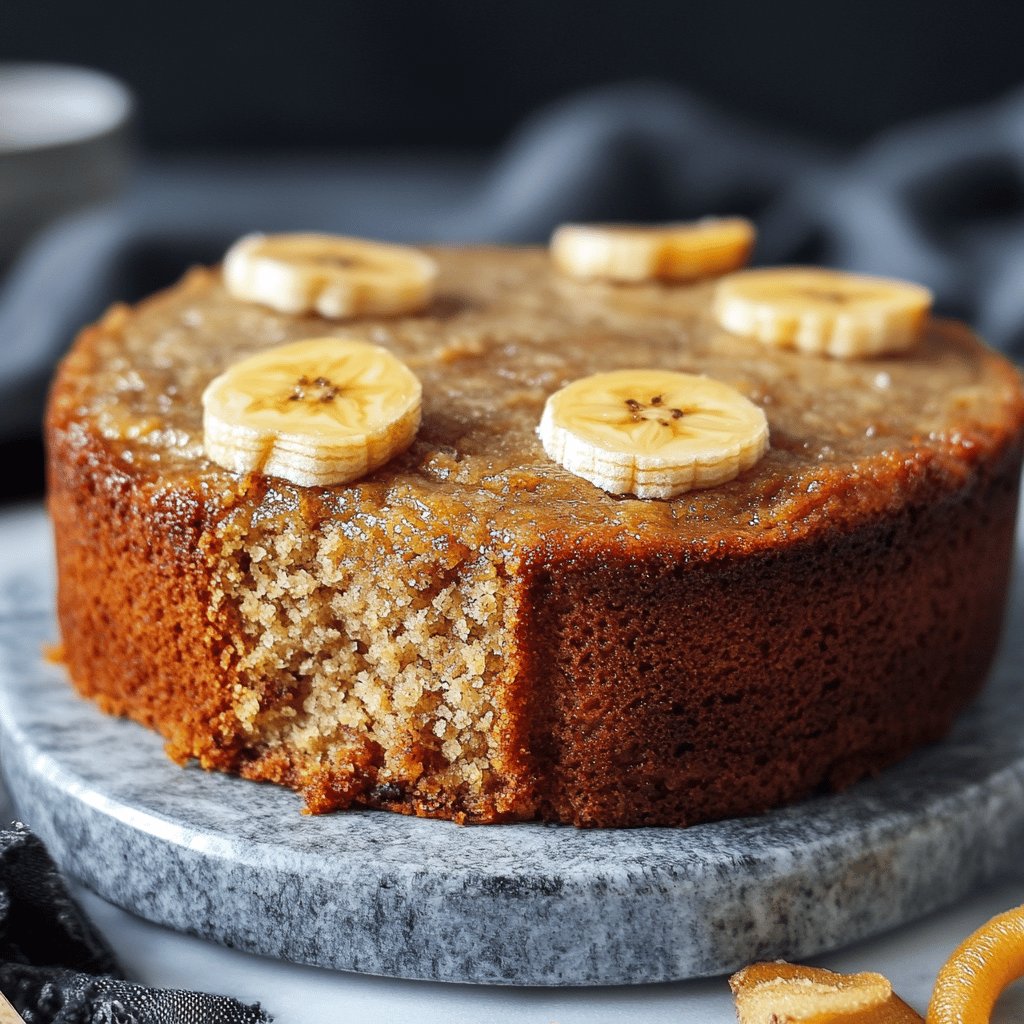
x,y
65,143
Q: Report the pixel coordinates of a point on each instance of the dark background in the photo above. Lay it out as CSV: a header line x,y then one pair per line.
x,y
306,75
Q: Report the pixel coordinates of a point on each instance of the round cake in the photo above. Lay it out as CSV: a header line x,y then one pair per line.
x,y
471,631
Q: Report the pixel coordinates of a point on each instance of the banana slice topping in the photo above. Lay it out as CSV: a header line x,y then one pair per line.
x,y
822,311
331,275
652,433
316,412
631,254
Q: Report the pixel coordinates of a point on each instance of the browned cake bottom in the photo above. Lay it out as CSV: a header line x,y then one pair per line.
x,y
640,687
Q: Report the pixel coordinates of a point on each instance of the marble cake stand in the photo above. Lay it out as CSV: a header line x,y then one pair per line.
x,y
531,904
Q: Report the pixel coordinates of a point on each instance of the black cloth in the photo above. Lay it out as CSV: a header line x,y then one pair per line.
x,y
55,968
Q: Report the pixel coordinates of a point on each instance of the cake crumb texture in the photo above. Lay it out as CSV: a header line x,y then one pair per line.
x,y
361,650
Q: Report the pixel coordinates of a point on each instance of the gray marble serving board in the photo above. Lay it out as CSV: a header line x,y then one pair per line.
x,y
236,862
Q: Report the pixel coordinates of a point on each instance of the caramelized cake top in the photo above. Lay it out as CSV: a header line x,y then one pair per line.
x,y
849,438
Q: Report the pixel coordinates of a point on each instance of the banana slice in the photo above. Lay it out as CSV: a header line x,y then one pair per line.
x,y
652,433
316,412
633,253
334,276
824,311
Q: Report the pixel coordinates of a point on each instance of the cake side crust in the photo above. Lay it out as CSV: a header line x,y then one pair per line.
x,y
138,632
662,692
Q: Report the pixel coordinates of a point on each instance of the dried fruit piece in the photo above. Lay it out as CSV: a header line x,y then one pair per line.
x,y
980,968
823,311
670,252
316,412
781,993
334,276
652,433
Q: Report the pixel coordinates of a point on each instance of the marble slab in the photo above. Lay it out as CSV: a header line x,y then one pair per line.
x,y
535,904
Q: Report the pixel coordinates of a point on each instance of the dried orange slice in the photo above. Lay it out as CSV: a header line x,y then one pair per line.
x,y
781,993
980,968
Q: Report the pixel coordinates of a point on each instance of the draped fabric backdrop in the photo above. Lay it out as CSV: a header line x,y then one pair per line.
x,y
939,201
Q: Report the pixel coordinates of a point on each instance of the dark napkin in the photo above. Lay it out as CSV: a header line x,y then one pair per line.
x,y
55,968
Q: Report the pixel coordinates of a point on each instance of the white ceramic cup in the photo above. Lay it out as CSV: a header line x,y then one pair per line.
x,y
65,142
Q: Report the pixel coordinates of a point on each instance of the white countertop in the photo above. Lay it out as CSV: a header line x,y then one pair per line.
x,y
910,956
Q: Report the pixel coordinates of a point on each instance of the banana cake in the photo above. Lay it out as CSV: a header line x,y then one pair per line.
x,y
460,617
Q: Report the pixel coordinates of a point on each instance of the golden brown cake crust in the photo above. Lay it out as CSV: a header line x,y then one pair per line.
x,y
761,678
645,662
